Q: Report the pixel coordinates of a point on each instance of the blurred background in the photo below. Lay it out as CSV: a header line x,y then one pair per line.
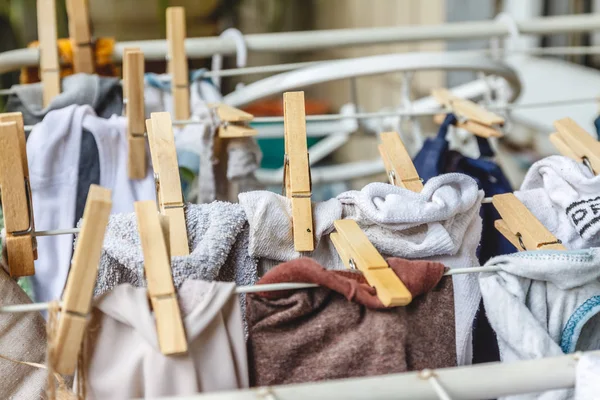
x,y
127,20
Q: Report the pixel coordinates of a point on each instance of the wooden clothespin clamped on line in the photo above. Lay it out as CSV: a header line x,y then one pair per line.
x,y
21,245
133,93
234,122
177,62
521,227
398,164
574,142
296,170
82,278
47,36
81,39
166,177
357,252
154,234
471,117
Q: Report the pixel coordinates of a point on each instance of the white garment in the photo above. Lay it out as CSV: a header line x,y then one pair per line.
x,y
53,150
587,381
544,304
124,357
565,196
441,223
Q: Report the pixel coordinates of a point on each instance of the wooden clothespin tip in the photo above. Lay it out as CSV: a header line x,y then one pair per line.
x,y
168,184
157,264
81,38
177,62
521,227
574,142
133,91
296,179
47,36
357,252
398,164
21,245
82,279
471,117
234,122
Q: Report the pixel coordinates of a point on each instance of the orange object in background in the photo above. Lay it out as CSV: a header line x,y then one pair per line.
x,y
103,49
274,108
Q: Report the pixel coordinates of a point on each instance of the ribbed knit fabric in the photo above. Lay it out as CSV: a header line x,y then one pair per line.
x,y
544,304
441,224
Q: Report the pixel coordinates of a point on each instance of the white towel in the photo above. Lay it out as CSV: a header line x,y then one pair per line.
x,y
587,381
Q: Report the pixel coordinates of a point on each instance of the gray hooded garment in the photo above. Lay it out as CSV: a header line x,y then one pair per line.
x,y
544,304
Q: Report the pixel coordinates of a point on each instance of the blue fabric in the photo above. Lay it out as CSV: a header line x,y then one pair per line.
x,y
436,158
572,330
597,125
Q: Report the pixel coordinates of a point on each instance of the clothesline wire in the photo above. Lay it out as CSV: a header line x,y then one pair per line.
x,y
398,113
270,287
70,231
265,69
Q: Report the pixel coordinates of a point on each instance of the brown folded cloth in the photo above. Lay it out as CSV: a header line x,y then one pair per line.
x,y
342,330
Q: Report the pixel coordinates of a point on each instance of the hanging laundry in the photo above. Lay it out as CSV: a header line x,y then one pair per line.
x,y
197,145
435,158
565,196
218,237
342,330
441,223
587,384
102,48
22,338
104,95
125,360
544,304
54,164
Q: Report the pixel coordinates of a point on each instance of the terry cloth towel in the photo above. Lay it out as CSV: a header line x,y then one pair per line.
x,y
103,61
218,239
197,146
342,330
565,196
22,338
125,361
587,380
54,162
104,95
544,304
441,223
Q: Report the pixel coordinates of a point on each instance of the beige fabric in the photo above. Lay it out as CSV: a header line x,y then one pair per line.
x,y
124,357
22,338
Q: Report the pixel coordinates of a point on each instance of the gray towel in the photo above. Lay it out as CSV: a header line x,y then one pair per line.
x,y
218,237
104,94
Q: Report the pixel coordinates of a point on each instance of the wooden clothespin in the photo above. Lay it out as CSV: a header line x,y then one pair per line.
x,y
81,39
234,122
357,252
133,92
47,36
78,292
398,164
471,117
521,227
21,245
166,176
574,142
296,174
177,62
154,235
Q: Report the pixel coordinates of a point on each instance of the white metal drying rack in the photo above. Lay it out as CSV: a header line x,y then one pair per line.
x,y
270,287
473,382
323,39
71,231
